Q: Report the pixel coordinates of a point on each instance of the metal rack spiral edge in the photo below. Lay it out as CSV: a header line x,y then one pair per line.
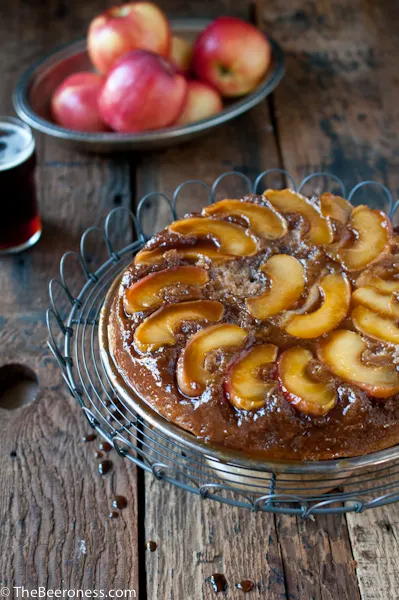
x,y
293,504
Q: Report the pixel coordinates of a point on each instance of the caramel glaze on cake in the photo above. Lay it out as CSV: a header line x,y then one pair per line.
x,y
267,325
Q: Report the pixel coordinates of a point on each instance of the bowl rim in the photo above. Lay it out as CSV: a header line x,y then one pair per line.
x,y
211,450
24,110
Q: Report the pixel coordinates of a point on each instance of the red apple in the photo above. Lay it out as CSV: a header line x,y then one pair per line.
x,y
231,55
181,53
132,26
74,103
143,91
202,101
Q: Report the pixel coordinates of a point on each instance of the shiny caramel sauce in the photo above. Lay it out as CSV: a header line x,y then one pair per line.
x,y
105,446
151,546
353,420
218,582
246,585
119,502
104,467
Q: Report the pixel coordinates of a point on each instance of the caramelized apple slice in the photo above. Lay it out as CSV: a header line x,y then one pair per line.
x,y
383,282
335,207
385,304
231,238
312,300
159,328
264,221
372,234
336,293
287,282
147,292
288,201
370,323
192,253
149,257
342,352
245,386
303,391
192,377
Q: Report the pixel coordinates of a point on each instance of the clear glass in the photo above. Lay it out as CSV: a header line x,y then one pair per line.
x,y
20,224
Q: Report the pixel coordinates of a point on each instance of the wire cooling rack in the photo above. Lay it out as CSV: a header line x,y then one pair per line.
x,y
305,489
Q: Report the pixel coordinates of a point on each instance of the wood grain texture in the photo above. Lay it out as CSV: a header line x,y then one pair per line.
x,y
197,538
317,557
339,97
54,506
284,557
374,535
335,110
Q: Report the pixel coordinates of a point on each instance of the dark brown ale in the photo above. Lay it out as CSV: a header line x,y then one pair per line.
x,y
20,225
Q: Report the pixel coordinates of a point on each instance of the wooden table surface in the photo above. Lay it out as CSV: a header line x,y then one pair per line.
x,y
337,109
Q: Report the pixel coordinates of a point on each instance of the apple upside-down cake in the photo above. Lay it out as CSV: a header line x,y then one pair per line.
x,y
268,325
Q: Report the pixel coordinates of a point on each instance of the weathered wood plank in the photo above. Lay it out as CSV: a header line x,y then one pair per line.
x,y
374,535
317,557
336,110
67,503
198,538
207,537
54,506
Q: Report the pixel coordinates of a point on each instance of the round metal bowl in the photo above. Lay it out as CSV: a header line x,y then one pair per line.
x,y
34,90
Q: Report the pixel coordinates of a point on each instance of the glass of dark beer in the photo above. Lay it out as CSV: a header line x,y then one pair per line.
x,y
20,225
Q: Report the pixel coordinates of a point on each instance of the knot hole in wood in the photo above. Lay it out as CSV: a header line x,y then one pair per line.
x,y
19,385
